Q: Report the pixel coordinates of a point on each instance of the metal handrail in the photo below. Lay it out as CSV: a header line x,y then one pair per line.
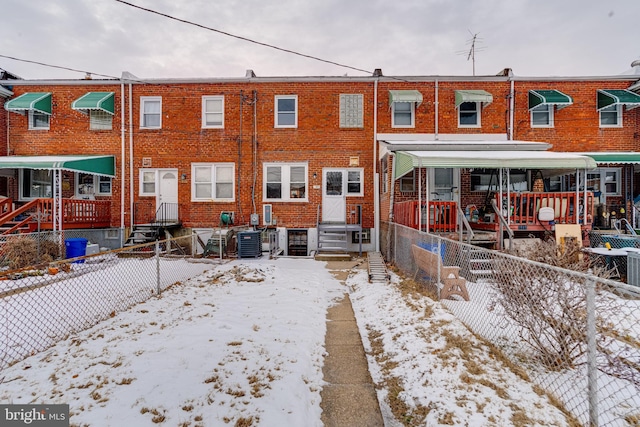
x,y
503,223
466,225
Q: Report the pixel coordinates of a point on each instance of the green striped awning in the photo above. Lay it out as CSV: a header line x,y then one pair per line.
x,y
97,165
405,96
30,101
624,97
102,101
473,96
549,97
601,158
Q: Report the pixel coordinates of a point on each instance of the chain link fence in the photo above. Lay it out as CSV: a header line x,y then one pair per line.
x,y
50,299
574,334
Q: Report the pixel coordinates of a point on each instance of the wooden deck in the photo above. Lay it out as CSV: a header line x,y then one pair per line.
x,y
38,213
443,215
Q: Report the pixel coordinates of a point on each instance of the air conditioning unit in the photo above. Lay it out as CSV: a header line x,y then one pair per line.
x,y
249,244
267,215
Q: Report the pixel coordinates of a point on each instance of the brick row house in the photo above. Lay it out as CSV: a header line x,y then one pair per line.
x,y
322,160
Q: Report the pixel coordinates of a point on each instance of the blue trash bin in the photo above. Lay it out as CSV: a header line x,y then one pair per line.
x,y
433,247
76,247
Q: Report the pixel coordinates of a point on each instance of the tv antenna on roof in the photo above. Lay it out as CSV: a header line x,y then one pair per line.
x,y
471,53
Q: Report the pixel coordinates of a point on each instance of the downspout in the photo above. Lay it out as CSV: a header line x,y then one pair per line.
x,y
239,184
436,113
122,158
376,178
512,102
254,148
131,219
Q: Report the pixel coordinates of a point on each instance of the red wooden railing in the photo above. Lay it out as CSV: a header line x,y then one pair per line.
x,y
525,207
443,215
76,214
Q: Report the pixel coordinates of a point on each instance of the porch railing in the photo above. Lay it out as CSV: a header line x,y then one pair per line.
x,y
353,214
442,215
525,207
146,213
39,213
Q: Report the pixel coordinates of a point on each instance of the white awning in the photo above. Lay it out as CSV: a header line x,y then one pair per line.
x,y
464,145
407,160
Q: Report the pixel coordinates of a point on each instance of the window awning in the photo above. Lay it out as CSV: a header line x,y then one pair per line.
x,y
549,97
101,101
628,158
624,97
30,101
473,96
97,165
407,160
405,96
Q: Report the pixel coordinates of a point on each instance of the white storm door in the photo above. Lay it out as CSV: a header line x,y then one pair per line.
x,y
167,198
334,195
444,184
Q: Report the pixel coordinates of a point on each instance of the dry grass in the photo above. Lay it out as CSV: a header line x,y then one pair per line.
x,y
407,416
20,252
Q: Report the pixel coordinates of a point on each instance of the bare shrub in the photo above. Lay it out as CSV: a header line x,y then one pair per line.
x,y
22,251
549,310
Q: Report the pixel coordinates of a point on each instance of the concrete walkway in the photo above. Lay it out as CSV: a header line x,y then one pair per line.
x,y
349,397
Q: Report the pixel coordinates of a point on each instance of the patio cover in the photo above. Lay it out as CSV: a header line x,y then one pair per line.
x,y
97,165
626,158
408,160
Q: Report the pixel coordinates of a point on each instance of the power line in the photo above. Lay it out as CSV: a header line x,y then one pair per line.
x,y
58,67
293,52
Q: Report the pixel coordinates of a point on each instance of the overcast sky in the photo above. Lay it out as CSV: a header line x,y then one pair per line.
x,y
403,38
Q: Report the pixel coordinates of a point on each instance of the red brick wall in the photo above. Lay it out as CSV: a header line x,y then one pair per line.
x,y
576,127
68,133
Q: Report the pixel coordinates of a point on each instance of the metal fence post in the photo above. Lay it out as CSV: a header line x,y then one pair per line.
x,y
439,283
592,367
394,250
158,266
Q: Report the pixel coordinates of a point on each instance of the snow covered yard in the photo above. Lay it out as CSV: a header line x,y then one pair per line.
x,y
238,345
243,344
433,371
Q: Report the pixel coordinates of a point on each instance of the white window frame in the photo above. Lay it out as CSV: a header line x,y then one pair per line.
x,y
22,173
95,188
384,167
412,112
32,120
100,120
360,172
277,111
351,110
150,99
206,113
538,109
143,174
602,180
477,112
285,181
610,110
408,179
213,169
